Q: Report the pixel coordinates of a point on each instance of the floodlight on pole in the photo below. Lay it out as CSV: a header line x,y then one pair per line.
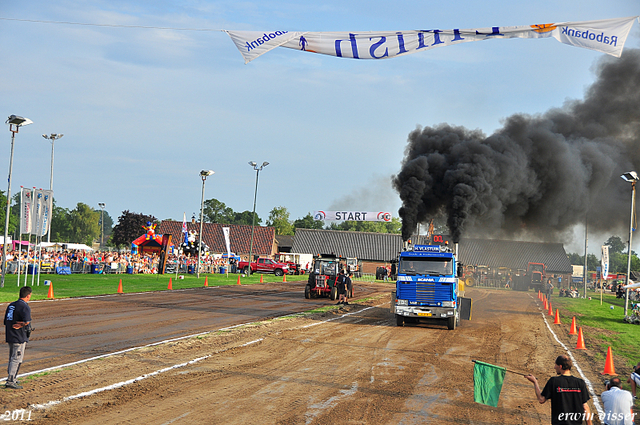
x,y
102,205
15,122
253,215
53,137
631,177
203,174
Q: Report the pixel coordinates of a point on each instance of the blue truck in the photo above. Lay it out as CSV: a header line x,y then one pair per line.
x,y
428,287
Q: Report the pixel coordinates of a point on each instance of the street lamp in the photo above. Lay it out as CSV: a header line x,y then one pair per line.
x,y
53,137
15,122
204,174
253,216
102,205
631,177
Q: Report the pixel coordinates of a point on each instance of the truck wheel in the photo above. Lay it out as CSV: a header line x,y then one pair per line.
x,y
278,272
451,323
307,291
246,270
334,294
399,320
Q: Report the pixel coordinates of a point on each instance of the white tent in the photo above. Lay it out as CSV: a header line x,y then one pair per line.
x,y
79,246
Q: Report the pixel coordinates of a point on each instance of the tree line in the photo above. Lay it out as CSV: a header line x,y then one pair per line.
x,y
617,257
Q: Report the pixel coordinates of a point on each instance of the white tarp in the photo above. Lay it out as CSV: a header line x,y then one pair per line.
x,y
632,285
606,35
352,215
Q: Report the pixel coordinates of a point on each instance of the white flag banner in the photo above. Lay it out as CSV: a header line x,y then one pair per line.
x,y
604,261
47,206
26,216
225,231
352,215
606,35
41,211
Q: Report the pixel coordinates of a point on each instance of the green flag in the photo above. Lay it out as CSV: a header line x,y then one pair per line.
x,y
487,383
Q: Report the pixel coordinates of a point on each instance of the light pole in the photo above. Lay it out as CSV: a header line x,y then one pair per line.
x,y
15,122
204,174
102,205
631,177
253,216
53,137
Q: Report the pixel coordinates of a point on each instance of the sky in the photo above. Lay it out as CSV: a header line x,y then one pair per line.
x,y
143,110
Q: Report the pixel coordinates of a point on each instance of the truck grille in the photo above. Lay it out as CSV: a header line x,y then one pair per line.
x,y
425,292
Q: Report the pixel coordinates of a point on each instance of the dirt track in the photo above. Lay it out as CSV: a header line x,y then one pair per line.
x,y
330,368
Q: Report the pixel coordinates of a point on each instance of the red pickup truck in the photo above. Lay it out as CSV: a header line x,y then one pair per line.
x,y
264,265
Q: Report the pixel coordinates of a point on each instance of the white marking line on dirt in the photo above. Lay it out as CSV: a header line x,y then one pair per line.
x,y
173,420
339,317
594,397
115,353
318,408
134,380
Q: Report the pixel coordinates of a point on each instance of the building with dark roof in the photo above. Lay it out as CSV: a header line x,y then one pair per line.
x,y
379,249
264,242
514,254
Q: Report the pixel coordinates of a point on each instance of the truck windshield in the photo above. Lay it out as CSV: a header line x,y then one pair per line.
x,y
426,266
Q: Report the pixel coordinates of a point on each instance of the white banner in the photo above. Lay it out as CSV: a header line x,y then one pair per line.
x,y
604,261
26,217
352,215
607,36
47,206
40,211
225,231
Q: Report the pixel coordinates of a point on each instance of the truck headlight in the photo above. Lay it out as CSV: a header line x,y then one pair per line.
x,y
401,302
448,303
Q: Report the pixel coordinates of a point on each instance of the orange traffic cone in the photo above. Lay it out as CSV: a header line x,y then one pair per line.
x,y
284,277
608,365
545,305
238,279
573,327
120,287
580,345
550,312
50,294
261,280
556,321
539,295
206,281
170,284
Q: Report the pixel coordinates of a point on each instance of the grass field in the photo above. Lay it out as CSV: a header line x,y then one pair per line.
x,y
78,285
603,326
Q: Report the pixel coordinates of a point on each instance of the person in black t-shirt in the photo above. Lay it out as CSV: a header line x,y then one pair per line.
x,y
341,281
568,395
16,319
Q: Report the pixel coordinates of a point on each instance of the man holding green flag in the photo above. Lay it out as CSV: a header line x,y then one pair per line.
x,y
568,394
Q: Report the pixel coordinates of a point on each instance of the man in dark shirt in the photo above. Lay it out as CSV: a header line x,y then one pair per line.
x,y
568,395
16,319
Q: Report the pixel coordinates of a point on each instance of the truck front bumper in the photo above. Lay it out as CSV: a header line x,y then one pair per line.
x,y
425,312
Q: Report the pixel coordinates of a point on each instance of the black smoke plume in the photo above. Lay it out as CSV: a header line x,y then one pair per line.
x,y
537,175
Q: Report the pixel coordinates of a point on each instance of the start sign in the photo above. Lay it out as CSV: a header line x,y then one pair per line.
x,y
352,215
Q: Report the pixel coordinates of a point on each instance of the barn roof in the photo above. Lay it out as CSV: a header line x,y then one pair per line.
x,y
514,254
386,246
239,236
362,245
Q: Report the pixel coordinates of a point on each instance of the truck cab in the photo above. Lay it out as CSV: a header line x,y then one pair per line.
x,y
427,287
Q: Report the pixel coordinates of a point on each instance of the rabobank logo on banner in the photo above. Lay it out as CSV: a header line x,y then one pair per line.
x,y
266,37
